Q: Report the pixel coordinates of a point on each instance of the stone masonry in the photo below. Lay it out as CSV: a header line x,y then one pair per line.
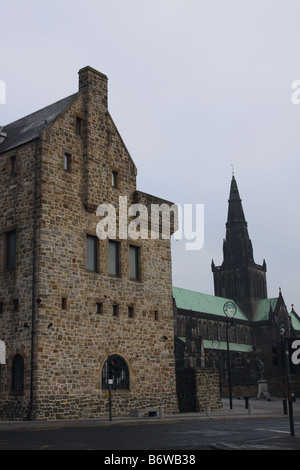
x,y
59,319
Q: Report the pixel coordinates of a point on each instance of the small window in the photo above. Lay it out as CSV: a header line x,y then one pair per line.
x,y
78,125
114,179
156,315
11,241
1,307
15,303
64,303
114,253
67,162
12,165
99,308
115,310
17,383
91,253
130,312
134,254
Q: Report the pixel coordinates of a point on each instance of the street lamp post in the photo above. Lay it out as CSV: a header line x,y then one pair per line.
x,y
229,309
216,345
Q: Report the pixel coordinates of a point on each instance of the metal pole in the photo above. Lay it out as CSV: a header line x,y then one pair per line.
x,y
229,308
228,366
110,382
283,377
33,287
288,377
109,400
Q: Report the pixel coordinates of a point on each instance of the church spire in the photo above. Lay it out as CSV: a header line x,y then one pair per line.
x,y
237,245
239,277
235,208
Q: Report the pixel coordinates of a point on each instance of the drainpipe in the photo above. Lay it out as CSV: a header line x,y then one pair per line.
x,y
33,303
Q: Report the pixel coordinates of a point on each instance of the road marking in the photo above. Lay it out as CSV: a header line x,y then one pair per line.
x,y
277,430
272,430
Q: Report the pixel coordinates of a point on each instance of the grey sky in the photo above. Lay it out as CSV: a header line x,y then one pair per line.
x,y
194,86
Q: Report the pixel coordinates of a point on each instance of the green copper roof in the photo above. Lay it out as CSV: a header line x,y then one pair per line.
x,y
222,346
204,303
295,320
263,309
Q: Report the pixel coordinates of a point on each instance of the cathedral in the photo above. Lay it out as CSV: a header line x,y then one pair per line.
x,y
203,329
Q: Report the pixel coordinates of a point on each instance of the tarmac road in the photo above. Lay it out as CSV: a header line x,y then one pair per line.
x,y
265,427
255,434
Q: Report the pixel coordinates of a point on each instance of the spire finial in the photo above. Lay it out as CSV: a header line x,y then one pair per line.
x,y
232,169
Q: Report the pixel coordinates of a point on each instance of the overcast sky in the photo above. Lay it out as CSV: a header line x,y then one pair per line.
x,y
194,86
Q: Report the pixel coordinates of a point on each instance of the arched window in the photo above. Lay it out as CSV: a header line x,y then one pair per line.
x,y
17,383
115,368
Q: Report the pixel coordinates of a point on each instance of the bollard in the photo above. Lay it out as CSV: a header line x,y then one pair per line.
x,y
207,410
246,402
284,406
249,409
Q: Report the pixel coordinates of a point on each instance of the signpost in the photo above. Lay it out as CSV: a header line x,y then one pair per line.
x,y
110,382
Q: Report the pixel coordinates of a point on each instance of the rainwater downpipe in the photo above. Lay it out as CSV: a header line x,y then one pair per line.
x,y
33,303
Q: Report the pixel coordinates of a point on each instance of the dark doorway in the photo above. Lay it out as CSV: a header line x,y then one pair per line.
x,y
186,390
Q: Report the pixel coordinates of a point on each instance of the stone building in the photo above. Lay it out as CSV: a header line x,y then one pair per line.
x,y
76,309
202,326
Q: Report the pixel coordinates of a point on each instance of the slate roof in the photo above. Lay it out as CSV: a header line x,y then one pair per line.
x,y
29,127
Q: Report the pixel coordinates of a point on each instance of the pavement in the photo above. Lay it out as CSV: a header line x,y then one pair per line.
x,y
261,408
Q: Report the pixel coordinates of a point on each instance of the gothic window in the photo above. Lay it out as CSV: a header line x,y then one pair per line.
x,y
216,335
115,368
17,383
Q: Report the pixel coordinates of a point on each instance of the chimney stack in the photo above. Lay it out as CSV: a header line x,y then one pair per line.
x,y
92,82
